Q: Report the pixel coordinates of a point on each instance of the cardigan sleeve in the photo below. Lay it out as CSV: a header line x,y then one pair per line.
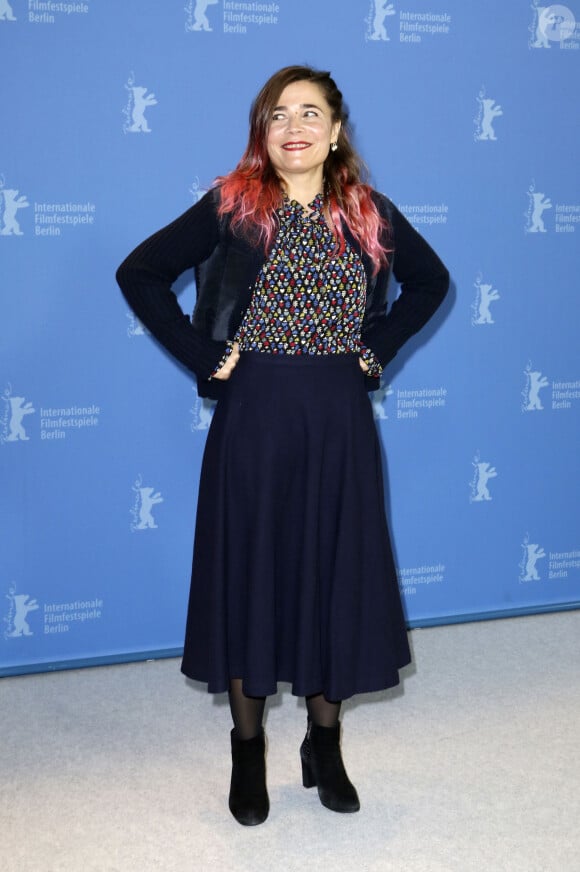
x,y
424,282
146,277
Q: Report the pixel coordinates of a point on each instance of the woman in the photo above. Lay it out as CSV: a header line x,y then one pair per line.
x,y
293,578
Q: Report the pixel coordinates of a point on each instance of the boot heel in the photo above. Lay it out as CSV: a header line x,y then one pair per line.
x,y
308,779
322,766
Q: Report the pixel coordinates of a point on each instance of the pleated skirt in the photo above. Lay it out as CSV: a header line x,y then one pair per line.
x,y
293,577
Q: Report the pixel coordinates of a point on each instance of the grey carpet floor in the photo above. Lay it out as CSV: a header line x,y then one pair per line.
x,y
472,764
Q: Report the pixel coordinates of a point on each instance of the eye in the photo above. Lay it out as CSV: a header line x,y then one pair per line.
x,y
311,113
278,116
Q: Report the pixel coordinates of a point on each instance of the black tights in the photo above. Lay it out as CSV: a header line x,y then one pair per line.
x,y
248,711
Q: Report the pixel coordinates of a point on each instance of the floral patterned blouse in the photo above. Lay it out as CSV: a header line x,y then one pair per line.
x,y
306,300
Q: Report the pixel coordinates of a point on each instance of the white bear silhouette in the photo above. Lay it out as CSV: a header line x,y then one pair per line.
x,y
22,605
148,500
541,40
12,203
540,204
141,101
536,382
533,554
490,111
382,9
200,18
487,294
377,400
202,414
18,409
196,191
136,327
484,472
6,13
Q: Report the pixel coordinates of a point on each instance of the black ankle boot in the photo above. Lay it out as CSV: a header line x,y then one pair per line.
x,y
322,767
248,799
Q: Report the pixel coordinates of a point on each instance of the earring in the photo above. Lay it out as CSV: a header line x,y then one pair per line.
x,y
333,146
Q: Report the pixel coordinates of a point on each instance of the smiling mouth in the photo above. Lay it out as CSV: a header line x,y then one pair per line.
x,y
295,146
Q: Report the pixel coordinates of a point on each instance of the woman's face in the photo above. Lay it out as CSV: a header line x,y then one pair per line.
x,y
301,130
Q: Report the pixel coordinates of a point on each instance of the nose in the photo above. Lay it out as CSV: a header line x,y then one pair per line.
x,y
294,121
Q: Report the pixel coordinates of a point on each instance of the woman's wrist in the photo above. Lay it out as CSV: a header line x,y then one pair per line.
x,y
371,364
223,359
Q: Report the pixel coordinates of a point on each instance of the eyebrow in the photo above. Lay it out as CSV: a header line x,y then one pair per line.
x,y
302,106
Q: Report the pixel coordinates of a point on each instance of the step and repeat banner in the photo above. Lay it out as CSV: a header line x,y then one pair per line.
x,y
116,118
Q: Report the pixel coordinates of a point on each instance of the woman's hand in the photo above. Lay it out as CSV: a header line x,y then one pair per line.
x,y
364,366
226,370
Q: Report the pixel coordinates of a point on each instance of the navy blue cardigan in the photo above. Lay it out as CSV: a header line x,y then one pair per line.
x,y
226,266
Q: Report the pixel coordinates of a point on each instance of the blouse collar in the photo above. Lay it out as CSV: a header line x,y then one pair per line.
x,y
292,210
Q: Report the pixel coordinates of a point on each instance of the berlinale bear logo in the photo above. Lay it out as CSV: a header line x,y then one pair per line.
x,y
380,9
134,112
538,203
13,414
486,294
6,13
10,202
489,110
196,15
145,499
482,473
535,382
532,553
202,412
18,610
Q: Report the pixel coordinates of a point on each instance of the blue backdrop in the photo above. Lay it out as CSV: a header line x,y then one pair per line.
x,y
116,117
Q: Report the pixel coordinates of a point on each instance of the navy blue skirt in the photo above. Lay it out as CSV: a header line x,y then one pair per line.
x,y
293,577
